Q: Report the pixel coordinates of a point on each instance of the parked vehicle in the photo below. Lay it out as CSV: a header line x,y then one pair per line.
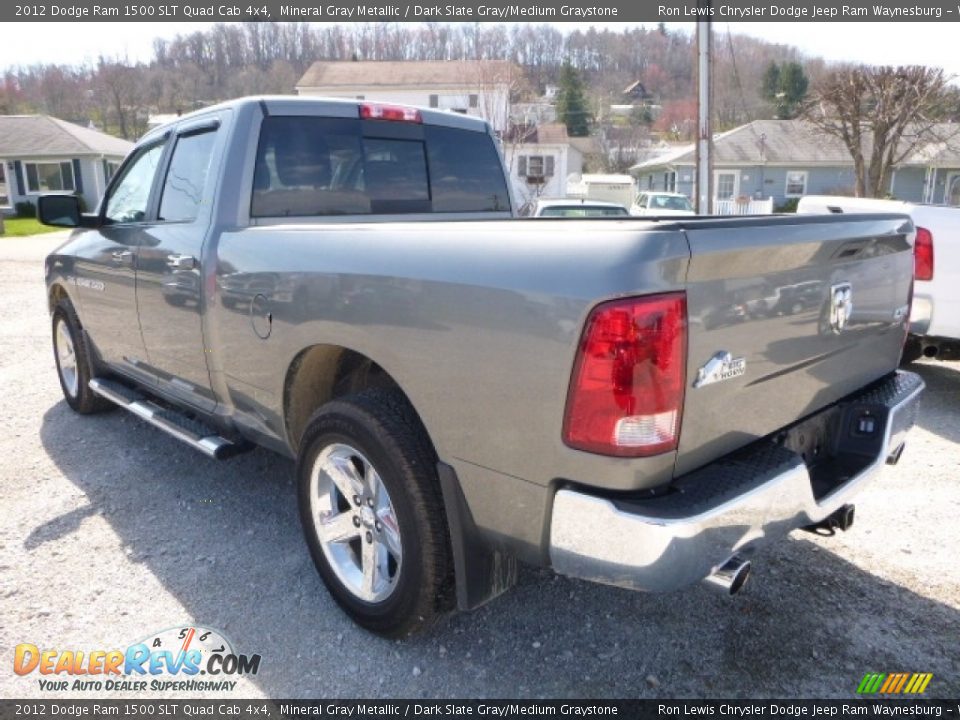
x,y
662,204
604,187
463,391
935,314
575,208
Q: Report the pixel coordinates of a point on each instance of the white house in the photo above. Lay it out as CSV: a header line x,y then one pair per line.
x,y
40,154
479,88
539,159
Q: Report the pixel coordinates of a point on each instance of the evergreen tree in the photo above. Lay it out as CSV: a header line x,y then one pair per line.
x,y
771,81
572,102
785,87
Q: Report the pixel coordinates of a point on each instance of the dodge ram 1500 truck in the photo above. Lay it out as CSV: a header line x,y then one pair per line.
x,y
344,283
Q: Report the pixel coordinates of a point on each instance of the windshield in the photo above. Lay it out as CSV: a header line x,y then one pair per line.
x,y
583,211
669,202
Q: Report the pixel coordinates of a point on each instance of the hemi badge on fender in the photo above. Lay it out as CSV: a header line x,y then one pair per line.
x,y
720,367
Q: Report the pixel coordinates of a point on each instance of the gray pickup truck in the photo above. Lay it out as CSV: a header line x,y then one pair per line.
x,y
344,283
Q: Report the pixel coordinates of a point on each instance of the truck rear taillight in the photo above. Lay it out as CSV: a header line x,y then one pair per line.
x,y
626,395
923,255
377,111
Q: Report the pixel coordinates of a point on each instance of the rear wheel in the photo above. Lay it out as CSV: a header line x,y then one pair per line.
x,y
74,366
373,515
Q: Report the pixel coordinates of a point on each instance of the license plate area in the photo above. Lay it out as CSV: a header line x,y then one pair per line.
x,y
838,443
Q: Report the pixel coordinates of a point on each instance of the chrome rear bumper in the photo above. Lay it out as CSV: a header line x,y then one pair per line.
x,y
731,506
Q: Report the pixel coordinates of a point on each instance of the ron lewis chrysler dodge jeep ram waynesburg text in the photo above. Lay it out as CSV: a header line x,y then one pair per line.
x,y
344,283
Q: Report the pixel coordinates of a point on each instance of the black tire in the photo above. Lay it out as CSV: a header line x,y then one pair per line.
x,y
76,391
384,430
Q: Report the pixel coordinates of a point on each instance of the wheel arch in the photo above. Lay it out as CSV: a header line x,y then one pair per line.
x,y
55,294
324,372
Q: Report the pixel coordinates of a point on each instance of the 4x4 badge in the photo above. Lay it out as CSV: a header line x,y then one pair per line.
x,y
721,366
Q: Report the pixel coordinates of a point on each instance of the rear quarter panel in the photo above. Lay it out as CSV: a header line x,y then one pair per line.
x,y
477,321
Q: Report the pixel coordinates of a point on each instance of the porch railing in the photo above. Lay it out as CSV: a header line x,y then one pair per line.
x,y
743,206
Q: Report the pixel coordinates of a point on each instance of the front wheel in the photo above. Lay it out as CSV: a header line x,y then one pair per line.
x,y
74,362
373,515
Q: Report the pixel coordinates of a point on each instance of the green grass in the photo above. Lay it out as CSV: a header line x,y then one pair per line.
x,y
19,227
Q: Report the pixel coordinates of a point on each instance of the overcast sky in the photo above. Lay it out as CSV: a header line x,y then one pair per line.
x,y
897,43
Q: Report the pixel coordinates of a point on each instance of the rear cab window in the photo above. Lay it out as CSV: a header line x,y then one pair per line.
x,y
316,167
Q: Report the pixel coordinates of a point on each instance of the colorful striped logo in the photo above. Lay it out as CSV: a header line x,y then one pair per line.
x,y
894,683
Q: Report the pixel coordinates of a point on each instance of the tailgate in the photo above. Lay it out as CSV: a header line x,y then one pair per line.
x,y
787,315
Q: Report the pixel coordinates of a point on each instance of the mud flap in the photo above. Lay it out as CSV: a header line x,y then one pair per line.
x,y
482,572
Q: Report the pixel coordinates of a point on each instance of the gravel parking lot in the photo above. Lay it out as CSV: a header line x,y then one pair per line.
x,y
111,531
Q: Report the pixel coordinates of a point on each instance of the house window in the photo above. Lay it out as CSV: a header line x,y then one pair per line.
x,y
796,183
649,182
952,192
4,193
474,101
670,181
726,186
434,101
49,177
536,166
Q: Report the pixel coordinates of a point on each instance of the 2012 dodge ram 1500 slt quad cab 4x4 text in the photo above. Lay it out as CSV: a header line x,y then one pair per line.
x,y
343,282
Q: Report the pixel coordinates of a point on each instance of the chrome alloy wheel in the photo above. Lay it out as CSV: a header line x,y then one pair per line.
x,y
355,522
67,358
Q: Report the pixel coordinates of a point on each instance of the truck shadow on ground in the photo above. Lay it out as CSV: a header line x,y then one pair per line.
x,y
808,624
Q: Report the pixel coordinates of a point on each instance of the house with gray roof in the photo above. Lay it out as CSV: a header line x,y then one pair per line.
x,y
40,154
786,159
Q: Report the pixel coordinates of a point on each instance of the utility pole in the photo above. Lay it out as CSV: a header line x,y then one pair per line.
x,y
704,199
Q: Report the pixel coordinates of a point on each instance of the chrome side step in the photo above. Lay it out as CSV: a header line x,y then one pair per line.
x,y
193,433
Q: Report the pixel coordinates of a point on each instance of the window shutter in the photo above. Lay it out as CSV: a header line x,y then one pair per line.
x,y
522,166
434,101
548,171
18,173
77,179
474,101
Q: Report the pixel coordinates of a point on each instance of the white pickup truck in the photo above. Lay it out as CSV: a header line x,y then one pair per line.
x,y
935,315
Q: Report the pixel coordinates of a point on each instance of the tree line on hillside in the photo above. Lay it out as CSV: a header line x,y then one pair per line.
x,y
227,61
880,114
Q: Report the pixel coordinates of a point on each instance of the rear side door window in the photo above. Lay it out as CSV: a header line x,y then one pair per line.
x,y
183,188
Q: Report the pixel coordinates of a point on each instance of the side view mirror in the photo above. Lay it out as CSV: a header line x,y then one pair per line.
x,y
59,210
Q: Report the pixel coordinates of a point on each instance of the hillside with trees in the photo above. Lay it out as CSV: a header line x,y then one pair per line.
x,y
227,61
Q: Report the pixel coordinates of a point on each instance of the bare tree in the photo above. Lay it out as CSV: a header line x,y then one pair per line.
x,y
882,115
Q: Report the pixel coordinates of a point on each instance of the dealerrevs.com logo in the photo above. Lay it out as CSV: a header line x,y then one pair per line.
x,y
189,659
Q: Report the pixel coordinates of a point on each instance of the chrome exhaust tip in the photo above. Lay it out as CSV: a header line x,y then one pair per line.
x,y
730,577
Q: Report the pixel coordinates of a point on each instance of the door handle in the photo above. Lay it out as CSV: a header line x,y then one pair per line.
x,y
182,262
122,257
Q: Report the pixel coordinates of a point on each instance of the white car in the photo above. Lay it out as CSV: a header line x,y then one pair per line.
x,y
935,313
577,207
662,204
